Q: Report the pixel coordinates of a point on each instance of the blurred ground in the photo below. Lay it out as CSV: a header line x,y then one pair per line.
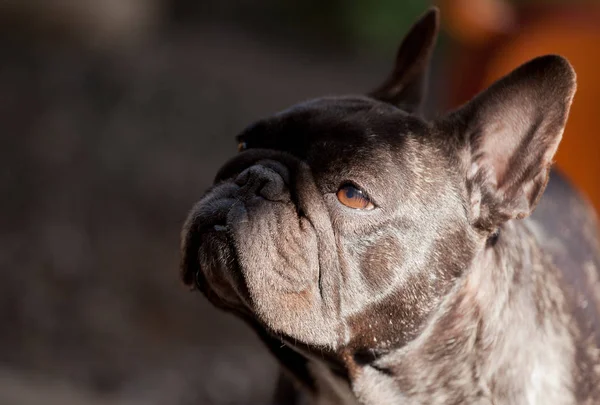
x,y
103,152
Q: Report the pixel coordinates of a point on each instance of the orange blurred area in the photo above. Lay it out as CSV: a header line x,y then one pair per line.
x,y
483,54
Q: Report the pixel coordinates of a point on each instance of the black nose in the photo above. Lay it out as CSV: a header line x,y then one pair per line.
x,y
268,179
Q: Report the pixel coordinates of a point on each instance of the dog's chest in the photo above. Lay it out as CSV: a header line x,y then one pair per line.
x,y
567,229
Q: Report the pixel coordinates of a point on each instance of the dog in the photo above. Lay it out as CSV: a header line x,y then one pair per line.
x,y
388,259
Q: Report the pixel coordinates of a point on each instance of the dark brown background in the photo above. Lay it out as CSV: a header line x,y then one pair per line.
x,y
109,132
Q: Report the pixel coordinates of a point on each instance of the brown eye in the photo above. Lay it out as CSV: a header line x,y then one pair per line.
x,y
352,197
241,146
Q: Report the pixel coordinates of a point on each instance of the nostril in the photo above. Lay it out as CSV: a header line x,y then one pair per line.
x,y
262,181
253,178
242,178
273,190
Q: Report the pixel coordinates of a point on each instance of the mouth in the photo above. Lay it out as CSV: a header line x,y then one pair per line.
x,y
210,262
205,230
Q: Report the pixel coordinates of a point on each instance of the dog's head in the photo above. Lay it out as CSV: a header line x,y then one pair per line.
x,y
344,221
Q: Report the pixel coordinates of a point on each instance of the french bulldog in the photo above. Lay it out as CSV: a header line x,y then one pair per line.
x,y
389,259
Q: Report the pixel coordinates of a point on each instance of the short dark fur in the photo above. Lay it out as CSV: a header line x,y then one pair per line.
x,y
442,294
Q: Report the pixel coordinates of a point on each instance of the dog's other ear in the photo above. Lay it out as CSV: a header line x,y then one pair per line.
x,y
509,134
407,84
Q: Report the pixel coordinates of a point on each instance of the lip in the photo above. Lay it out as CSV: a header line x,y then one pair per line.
x,y
216,227
220,228
210,214
206,226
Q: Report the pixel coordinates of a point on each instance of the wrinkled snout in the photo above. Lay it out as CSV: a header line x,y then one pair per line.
x,y
211,223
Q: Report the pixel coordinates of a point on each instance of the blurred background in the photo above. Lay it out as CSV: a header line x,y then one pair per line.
x,y
116,114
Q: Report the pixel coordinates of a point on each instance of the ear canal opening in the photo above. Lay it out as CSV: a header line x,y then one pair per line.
x,y
493,238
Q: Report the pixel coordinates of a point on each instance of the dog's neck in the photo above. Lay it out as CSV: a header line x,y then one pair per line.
x,y
502,336
513,315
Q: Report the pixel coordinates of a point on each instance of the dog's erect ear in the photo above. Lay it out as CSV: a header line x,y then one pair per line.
x,y
407,84
510,133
